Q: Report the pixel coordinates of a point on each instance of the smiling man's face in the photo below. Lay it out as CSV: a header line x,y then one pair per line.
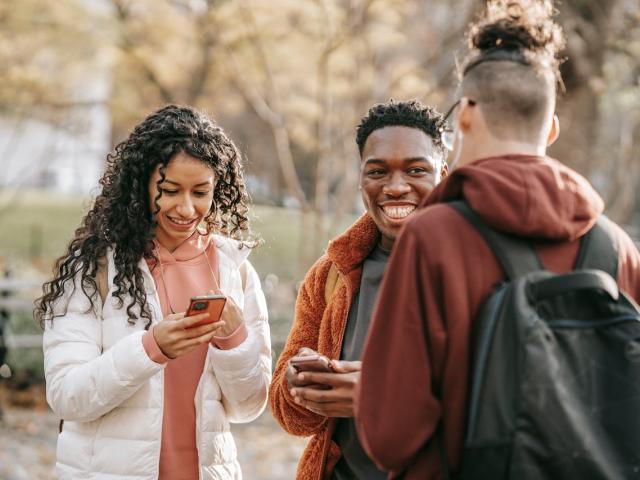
x,y
400,166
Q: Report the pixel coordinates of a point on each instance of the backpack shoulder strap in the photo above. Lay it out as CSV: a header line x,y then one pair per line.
x,y
333,279
516,255
599,249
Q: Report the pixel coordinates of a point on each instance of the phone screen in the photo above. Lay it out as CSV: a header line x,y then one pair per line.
x,y
213,304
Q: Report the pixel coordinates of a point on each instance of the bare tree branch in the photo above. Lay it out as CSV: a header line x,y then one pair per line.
x,y
267,107
208,40
128,46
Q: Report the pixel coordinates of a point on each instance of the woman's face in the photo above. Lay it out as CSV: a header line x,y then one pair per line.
x,y
187,195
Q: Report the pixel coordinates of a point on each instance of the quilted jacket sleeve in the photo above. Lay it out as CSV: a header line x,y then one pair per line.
x,y
244,372
83,382
310,307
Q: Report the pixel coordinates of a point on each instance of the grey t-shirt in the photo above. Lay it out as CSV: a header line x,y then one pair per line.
x,y
354,463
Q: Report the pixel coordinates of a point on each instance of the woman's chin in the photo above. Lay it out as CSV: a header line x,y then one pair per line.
x,y
174,236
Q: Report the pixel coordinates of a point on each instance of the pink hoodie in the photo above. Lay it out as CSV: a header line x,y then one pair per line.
x,y
179,275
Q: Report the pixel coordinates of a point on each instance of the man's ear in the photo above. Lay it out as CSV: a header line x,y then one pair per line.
x,y
466,115
554,132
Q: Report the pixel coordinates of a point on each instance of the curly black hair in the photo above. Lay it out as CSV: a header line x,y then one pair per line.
x,y
411,113
122,216
522,31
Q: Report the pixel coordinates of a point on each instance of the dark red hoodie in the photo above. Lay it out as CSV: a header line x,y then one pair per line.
x,y
440,273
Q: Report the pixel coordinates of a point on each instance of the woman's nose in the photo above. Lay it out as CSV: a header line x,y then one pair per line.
x,y
185,208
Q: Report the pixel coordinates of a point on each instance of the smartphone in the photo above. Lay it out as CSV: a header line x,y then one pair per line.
x,y
311,363
213,304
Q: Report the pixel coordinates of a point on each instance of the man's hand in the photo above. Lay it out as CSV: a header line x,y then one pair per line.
x,y
176,335
291,374
338,400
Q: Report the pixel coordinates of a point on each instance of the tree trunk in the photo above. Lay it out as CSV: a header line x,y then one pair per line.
x,y
586,24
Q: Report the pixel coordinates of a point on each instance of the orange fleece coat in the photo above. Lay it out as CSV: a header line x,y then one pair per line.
x,y
321,326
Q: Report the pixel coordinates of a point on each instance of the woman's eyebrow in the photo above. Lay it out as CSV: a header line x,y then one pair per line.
x,y
170,181
202,184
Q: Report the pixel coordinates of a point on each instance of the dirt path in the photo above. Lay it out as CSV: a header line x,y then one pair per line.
x,y
28,439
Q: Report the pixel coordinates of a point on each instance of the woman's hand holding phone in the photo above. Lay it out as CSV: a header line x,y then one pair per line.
x,y
177,335
232,317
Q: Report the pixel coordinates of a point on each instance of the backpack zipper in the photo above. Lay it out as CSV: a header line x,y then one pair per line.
x,y
584,324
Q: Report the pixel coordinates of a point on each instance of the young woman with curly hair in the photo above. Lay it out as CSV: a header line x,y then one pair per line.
x,y
144,392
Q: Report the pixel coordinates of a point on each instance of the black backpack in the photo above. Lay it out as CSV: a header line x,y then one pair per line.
x,y
555,367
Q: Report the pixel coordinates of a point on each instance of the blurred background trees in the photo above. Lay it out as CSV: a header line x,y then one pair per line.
x,y
290,79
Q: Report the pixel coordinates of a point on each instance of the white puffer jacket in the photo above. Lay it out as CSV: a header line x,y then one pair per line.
x,y
102,383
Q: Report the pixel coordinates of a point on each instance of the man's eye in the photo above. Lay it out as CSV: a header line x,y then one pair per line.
x,y
375,173
417,170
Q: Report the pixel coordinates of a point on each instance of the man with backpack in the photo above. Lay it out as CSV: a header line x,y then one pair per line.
x,y
487,357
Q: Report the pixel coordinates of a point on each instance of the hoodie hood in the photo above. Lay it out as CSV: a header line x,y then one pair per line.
x,y
528,196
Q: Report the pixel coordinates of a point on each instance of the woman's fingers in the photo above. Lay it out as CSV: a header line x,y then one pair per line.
x,y
195,332
199,335
187,322
175,316
191,343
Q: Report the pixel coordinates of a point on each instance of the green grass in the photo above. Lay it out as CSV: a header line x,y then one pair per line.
x,y
35,224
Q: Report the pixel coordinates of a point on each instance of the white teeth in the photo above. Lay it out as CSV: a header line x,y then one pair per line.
x,y
180,222
399,212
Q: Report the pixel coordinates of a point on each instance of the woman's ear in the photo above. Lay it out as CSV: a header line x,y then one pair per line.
x,y
554,132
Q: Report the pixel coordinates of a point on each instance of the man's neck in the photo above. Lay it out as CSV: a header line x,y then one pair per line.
x,y
501,148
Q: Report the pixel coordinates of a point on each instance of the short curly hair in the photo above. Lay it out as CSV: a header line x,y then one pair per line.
x,y
123,217
411,113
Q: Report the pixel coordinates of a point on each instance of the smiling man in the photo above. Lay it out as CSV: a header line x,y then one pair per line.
x,y
402,159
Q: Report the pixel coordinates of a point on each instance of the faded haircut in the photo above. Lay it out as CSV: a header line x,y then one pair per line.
x,y
512,71
516,100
